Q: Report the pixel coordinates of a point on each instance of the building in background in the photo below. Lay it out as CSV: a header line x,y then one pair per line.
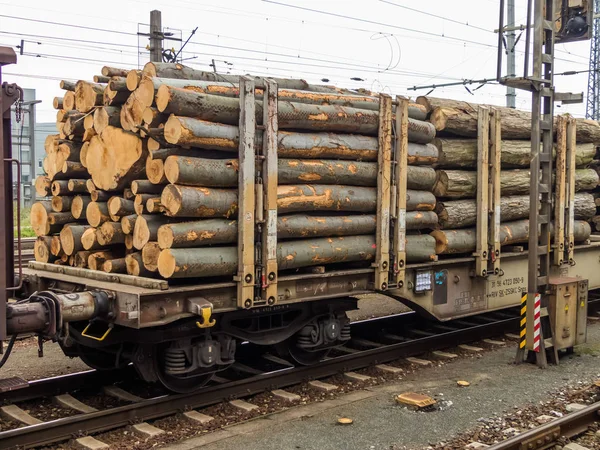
x,y
24,147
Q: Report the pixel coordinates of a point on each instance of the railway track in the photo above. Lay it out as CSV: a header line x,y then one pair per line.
x,y
374,342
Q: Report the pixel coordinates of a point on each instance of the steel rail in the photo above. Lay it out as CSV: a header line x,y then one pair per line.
x,y
66,428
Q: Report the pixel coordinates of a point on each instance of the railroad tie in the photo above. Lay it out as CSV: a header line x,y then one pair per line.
x,y
285,395
90,443
197,417
121,394
146,430
13,412
70,402
243,406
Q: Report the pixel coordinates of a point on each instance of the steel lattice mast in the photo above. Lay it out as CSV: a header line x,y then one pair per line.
x,y
593,99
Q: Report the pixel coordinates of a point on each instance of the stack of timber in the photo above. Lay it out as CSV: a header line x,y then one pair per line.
x,y
456,175
142,176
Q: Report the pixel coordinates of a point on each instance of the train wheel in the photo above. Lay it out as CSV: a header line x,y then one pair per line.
x,y
301,356
100,360
181,384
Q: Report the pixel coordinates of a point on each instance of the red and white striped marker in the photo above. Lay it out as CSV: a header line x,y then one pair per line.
x,y
537,325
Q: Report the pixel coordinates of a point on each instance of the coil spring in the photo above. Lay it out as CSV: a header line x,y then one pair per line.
x,y
345,333
305,341
174,360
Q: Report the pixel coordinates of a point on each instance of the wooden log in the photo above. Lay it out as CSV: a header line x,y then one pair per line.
x,y
119,84
139,204
57,156
584,206
132,113
40,214
57,103
421,220
110,233
463,184
87,95
97,259
152,118
81,259
101,79
69,100
89,184
77,186
70,238
155,171
97,213
128,194
61,204
83,154
450,242
79,206
60,187
146,229
196,133
187,201
150,254
115,158
135,265
164,153
107,116
460,118
67,85
89,240
133,79
115,266
153,206
197,233
99,196
128,223
297,226
462,154
88,121
56,247
115,93
291,115
145,187
119,207
129,241
41,250
110,72
43,186
72,169
463,213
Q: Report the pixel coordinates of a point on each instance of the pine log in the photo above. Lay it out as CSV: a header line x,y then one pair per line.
x,y
135,265
101,79
97,259
87,95
89,240
460,118
69,100
57,103
70,238
77,186
450,242
155,171
119,84
41,250
153,206
67,85
97,213
190,132
62,204
99,196
139,204
150,254
119,207
115,93
43,186
133,79
145,187
60,187
128,223
291,115
146,229
39,217
79,206
110,72
56,247
72,169
115,266
81,259
463,184
462,153
106,116
110,233
57,156
115,158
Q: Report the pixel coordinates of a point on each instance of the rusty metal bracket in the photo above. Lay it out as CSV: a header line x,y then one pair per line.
x,y
384,174
246,274
269,175
401,171
570,197
495,189
483,152
560,190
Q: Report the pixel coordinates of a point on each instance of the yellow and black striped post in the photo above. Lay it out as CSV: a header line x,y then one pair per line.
x,y
523,323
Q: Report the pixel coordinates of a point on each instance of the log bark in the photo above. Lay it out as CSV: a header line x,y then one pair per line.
x,y
99,196
187,201
115,266
57,103
97,213
291,115
41,250
60,187
164,153
88,95
153,206
128,223
145,187
152,118
77,186
89,240
40,218
43,186
61,204
197,233
462,153
115,158
119,207
139,204
460,118
196,133
70,238
72,169
101,79
97,259
463,213
150,254
110,233
450,242
67,85
58,155
79,206
129,241
115,93
106,116
110,72
146,229
81,259
135,265
584,206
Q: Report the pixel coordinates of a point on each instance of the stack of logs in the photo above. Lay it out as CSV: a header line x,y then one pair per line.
x,y
143,175
456,175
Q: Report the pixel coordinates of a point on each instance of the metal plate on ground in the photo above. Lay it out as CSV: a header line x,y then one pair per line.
x,y
12,384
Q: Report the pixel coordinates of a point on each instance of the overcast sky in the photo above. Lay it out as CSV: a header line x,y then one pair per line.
x,y
390,45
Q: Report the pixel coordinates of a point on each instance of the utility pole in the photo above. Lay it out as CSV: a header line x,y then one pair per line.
x,y
511,93
156,36
593,95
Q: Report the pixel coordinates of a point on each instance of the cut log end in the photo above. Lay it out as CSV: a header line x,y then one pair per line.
x,y
167,264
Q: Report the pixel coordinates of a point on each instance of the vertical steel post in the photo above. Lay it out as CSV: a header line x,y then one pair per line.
x,y
495,190
401,190
570,200
560,190
511,93
156,38
483,173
